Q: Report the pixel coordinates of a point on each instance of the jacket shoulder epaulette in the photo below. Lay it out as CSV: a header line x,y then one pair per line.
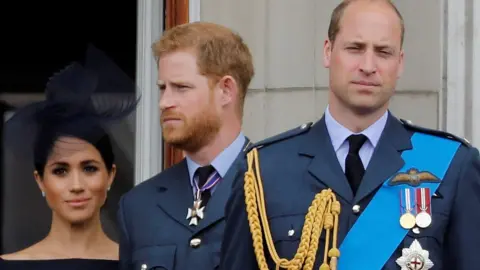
x,y
280,137
409,125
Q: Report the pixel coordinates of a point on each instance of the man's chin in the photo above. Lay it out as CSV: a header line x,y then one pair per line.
x,y
174,140
365,108
177,141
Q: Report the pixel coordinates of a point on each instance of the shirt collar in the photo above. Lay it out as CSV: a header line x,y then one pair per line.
x,y
223,161
338,133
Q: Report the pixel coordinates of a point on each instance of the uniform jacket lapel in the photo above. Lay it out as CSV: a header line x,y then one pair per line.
x,y
324,165
175,193
386,159
215,209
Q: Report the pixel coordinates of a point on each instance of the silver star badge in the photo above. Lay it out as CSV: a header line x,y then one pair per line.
x,y
195,213
414,258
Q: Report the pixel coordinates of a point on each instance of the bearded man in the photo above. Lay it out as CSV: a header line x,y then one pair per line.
x,y
175,220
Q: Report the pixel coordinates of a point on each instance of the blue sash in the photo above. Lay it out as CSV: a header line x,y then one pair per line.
x,y
378,227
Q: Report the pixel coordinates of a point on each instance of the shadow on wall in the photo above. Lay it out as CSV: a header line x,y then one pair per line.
x,y
25,214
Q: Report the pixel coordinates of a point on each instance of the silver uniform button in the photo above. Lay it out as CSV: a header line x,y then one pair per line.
x,y
291,232
144,267
195,242
356,208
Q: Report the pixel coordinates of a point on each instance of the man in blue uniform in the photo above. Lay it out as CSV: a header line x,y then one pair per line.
x,y
175,220
359,189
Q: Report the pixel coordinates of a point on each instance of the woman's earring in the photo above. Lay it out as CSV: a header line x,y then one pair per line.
x,y
108,189
43,193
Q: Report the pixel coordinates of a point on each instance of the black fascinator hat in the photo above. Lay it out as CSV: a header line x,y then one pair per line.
x,y
81,100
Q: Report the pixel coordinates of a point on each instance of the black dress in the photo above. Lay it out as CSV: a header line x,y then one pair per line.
x,y
58,264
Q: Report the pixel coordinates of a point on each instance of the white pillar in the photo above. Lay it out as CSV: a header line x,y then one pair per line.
x,y
476,75
148,140
194,10
455,77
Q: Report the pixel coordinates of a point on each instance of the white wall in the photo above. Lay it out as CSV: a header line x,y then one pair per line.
x,y
463,69
290,86
439,88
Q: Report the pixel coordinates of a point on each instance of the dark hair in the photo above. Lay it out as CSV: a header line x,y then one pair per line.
x,y
81,100
46,140
337,16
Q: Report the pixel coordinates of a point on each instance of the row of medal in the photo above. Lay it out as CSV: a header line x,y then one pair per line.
x,y
415,208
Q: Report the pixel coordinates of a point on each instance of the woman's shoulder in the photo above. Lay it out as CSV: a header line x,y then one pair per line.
x,y
28,259
36,257
112,250
24,254
11,256
59,264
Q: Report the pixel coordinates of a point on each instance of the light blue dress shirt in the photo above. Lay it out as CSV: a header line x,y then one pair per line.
x,y
222,162
339,134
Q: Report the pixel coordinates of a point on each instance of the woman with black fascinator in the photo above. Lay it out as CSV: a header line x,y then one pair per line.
x,y
74,163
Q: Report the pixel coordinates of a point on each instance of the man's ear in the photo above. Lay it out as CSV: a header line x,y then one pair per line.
x,y
327,53
229,89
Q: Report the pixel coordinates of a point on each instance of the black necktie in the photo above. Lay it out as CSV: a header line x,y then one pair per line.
x,y
203,173
354,169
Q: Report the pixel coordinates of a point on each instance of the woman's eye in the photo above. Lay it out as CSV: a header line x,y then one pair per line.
x,y
91,169
59,171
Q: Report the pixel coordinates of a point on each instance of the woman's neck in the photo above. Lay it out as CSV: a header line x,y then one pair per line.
x,y
77,240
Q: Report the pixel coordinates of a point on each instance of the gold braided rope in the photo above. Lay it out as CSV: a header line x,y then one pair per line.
x,y
322,214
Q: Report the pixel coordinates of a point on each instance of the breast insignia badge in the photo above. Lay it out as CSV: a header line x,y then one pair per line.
x,y
195,213
413,178
414,258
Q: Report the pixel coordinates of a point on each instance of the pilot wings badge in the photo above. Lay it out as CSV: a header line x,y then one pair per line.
x,y
414,258
413,177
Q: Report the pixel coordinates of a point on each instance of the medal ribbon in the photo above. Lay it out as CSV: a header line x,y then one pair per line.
x,y
212,180
407,203
423,200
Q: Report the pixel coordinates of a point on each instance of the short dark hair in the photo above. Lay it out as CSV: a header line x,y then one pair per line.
x,y
337,15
